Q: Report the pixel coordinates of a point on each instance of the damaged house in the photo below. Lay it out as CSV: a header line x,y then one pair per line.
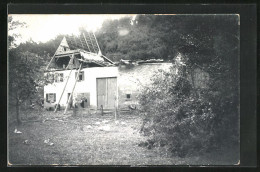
x,y
79,71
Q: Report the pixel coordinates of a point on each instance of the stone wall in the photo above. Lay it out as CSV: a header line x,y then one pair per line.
x,y
132,79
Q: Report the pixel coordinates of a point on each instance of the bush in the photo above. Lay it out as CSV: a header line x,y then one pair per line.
x,y
184,119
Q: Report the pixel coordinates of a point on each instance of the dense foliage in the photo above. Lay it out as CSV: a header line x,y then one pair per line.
x,y
186,117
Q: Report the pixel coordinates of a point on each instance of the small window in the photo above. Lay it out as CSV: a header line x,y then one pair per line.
x,y
61,77
50,77
81,76
58,77
128,96
51,97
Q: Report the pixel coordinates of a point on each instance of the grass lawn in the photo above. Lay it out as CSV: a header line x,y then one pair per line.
x,y
55,139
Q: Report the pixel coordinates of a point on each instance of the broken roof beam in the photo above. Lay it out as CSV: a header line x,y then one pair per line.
x,y
107,59
92,61
67,54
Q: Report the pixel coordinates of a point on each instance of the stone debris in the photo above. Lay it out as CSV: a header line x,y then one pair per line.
x,y
17,132
47,141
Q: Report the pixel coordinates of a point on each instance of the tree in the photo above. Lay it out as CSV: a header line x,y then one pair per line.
x,y
12,26
42,49
25,72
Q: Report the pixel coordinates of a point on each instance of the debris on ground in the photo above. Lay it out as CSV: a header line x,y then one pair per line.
x,y
17,132
116,122
105,121
88,126
27,142
48,142
97,123
123,123
105,128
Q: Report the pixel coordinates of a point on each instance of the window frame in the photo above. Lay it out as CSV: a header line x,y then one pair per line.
x,y
48,96
81,73
128,96
58,77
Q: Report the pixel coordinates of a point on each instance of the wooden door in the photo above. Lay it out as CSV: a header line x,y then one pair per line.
x,y
106,92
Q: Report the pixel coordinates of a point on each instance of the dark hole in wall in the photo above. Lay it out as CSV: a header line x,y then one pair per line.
x,y
62,61
128,96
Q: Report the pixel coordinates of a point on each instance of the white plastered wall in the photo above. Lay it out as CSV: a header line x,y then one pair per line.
x,y
88,85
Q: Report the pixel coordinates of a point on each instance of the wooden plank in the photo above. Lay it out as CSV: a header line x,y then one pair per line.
x,y
101,92
97,44
107,59
70,62
86,42
106,92
111,92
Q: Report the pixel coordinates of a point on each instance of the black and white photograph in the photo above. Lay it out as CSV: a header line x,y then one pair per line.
x,y
123,89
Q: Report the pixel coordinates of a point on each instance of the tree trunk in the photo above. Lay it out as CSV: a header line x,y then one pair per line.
x,y
18,118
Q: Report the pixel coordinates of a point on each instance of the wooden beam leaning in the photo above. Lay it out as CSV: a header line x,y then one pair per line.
x,y
51,60
86,42
75,42
107,59
63,90
81,42
71,59
91,42
72,90
97,42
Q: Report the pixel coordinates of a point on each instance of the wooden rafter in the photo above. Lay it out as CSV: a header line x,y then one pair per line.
x,y
86,42
97,43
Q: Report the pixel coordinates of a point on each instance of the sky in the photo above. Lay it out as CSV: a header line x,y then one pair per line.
x,y
41,28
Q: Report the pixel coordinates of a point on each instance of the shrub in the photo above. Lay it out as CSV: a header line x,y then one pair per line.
x,y
184,119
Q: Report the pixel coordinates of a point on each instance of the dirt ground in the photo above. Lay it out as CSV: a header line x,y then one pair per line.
x,y
49,138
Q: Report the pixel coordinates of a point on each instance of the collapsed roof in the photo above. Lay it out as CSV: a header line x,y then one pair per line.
x,y
85,41
74,49
137,62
